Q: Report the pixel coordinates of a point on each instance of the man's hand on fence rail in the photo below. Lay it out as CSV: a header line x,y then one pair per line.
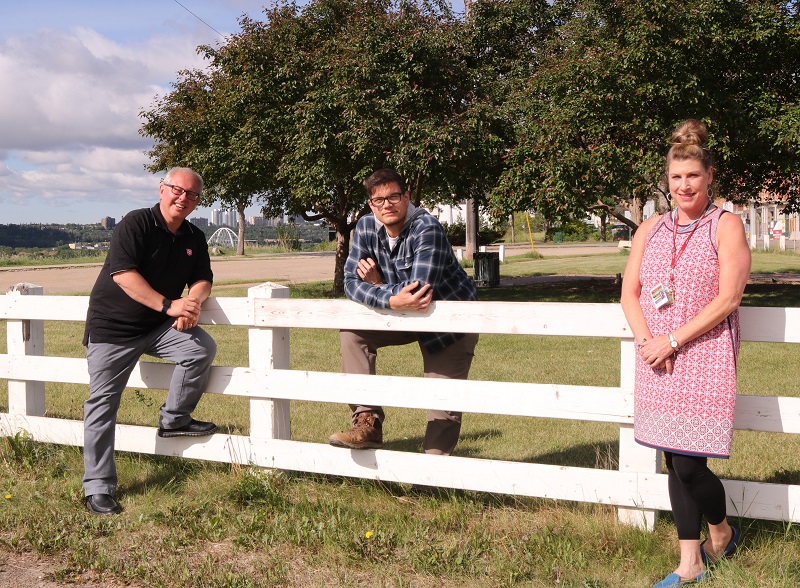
x,y
408,299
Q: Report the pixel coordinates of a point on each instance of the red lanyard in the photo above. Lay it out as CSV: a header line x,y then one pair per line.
x,y
676,254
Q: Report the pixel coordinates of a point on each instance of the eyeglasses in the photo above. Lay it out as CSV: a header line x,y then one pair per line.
x,y
381,200
178,191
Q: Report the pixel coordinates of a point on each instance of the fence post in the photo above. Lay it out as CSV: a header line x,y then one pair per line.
x,y
269,349
632,456
25,337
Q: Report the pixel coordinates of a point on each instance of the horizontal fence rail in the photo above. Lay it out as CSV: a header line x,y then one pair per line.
x,y
638,488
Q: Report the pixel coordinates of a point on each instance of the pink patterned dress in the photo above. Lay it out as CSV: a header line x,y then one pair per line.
x,y
691,411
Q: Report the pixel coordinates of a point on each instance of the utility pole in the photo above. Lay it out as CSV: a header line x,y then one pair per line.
x,y
472,229
472,205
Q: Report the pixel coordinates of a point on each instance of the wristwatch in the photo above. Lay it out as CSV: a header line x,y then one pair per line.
x,y
165,304
673,342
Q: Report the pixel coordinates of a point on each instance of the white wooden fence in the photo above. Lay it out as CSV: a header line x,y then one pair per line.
x,y
638,488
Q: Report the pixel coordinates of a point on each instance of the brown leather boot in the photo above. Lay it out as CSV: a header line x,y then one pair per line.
x,y
367,433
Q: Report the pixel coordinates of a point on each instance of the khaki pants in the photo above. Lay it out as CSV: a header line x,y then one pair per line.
x,y
360,349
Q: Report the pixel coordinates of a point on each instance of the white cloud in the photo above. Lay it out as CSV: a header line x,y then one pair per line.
x,y
80,88
69,111
74,77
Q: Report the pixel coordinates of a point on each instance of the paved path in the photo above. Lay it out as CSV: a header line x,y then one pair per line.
x,y
79,279
299,267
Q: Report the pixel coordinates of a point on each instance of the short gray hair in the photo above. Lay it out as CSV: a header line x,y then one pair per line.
x,y
184,170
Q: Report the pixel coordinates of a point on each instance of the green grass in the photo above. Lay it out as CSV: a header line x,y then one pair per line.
x,y
195,524
37,261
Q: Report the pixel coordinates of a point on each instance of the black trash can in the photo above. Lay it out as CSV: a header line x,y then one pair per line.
x,y
487,268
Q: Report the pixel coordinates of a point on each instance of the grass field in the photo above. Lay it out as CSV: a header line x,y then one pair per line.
x,y
196,524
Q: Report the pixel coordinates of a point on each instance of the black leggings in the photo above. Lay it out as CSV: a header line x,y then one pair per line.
x,y
694,491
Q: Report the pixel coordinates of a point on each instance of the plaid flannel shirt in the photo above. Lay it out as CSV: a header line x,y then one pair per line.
x,y
421,254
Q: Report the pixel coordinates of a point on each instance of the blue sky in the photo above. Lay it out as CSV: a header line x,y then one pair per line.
x,y
74,77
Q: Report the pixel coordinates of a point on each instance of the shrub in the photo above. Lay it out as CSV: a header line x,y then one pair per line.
x,y
457,234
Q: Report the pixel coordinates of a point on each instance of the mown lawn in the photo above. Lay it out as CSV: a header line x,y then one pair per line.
x,y
195,524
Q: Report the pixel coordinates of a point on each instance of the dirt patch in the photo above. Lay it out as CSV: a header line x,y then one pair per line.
x,y
26,570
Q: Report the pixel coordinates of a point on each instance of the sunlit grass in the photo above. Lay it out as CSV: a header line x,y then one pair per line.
x,y
189,524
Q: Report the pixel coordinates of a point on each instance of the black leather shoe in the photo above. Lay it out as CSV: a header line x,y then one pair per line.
x,y
102,504
193,429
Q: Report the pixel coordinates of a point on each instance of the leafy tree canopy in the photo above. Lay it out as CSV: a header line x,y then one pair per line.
x,y
299,108
613,80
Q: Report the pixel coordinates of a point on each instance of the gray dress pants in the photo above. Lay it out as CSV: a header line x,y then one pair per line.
x,y
110,365
360,350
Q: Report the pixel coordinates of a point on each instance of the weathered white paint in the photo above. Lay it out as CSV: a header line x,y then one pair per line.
x,y
25,337
638,488
269,349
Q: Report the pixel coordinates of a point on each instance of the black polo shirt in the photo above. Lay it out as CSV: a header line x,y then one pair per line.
x,y
169,263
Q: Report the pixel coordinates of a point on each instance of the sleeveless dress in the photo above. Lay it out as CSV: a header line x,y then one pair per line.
x,y
690,411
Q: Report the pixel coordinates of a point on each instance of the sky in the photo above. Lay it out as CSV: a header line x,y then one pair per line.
x,y
74,77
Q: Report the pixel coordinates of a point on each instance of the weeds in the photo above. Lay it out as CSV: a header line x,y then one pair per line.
x,y
189,524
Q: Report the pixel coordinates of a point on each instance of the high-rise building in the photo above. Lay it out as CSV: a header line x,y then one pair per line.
x,y
199,221
108,222
225,218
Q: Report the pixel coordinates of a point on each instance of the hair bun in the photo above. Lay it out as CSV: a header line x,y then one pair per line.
x,y
690,132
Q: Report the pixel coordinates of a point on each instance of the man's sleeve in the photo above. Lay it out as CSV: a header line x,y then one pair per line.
x,y
431,254
355,288
202,269
127,246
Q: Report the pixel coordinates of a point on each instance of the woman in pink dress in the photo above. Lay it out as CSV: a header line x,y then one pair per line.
x,y
683,284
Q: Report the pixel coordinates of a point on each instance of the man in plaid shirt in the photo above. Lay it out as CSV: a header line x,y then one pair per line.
x,y
401,259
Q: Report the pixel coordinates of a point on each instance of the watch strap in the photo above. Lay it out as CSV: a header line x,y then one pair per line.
x,y
673,342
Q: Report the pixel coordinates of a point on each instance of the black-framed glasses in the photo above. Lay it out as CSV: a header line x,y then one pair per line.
x,y
178,191
392,198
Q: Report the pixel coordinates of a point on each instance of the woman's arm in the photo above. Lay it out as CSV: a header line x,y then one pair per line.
x,y
656,353
632,286
734,271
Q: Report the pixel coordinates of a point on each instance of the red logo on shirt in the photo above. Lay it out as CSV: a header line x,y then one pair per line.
x,y
189,252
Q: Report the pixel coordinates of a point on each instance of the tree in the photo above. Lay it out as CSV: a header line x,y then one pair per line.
x,y
212,123
298,109
615,78
387,85
501,37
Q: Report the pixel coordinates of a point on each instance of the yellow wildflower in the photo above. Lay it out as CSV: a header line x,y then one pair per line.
x,y
368,534
8,496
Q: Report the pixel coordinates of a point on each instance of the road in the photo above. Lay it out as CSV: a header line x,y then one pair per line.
x,y
299,267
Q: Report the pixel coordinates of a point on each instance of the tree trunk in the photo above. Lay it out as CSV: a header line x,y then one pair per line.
x,y
342,250
472,229
240,245
637,210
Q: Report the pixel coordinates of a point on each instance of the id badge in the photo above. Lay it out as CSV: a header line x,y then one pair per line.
x,y
661,296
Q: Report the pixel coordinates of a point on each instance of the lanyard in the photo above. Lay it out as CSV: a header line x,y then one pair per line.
x,y
676,254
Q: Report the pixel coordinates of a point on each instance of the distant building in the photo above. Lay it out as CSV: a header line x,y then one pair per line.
x,y
256,221
199,221
108,222
224,218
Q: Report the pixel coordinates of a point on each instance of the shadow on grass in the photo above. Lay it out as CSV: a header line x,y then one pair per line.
x,y
783,476
772,294
164,472
594,290
602,455
608,290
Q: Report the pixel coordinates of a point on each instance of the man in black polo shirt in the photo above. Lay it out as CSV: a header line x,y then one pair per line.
x,y
136,307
